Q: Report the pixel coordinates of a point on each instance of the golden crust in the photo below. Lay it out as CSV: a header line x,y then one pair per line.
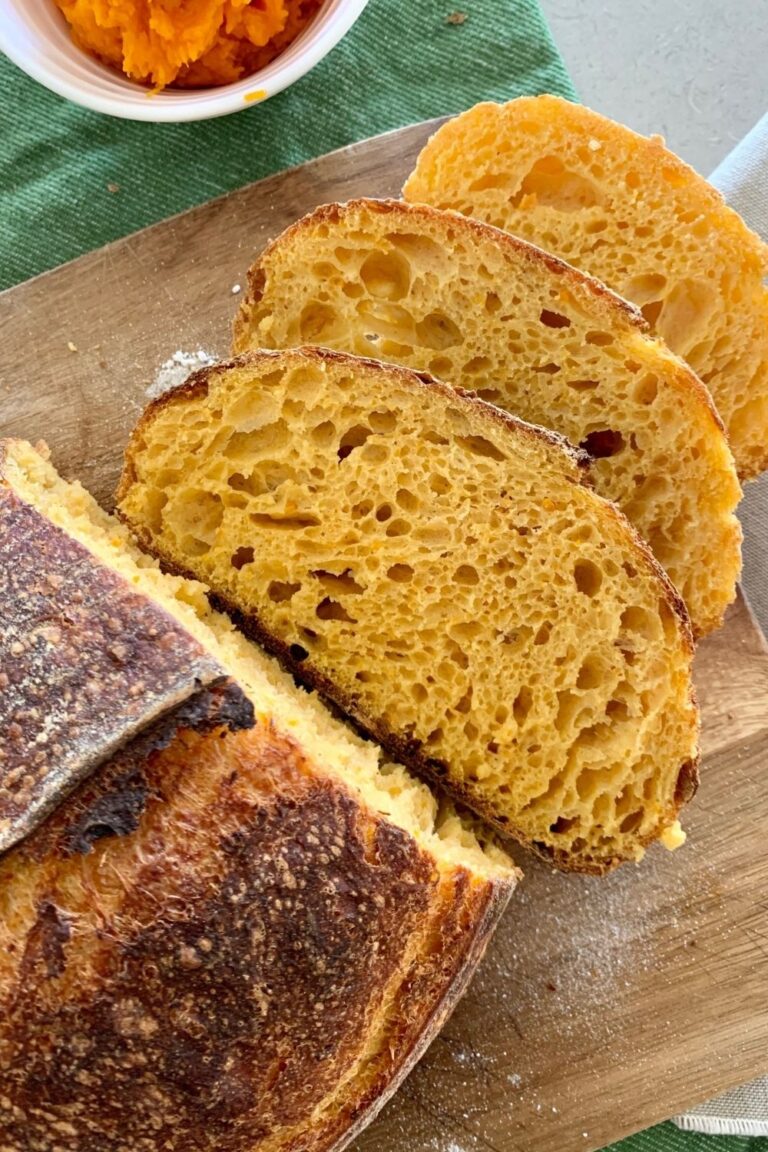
x,y
256,966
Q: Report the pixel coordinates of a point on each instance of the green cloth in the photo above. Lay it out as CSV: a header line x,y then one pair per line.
x,y
668,1138
403,61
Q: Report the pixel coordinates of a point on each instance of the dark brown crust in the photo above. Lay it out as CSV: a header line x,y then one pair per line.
x,y
687,782
116,811
406,751
86,662
622,310
482,914
251,960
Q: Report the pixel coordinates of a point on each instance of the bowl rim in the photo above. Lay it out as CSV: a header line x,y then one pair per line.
x,y
184,105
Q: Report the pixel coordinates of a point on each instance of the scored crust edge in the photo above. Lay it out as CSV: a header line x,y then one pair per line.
x,y
401,749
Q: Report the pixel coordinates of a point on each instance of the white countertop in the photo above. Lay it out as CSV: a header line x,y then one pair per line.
x,y
695,71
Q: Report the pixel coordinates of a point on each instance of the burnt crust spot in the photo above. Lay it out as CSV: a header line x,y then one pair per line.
x,y
111,801
115,814
44,955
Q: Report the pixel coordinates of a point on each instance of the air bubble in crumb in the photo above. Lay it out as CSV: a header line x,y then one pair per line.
x,y
175,370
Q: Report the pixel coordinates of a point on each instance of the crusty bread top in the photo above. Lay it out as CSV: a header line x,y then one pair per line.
x,y
487,311
86,661
255,962
158,989
334,748
623,207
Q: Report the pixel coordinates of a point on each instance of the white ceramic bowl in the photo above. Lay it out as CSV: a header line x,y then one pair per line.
x,y
34,34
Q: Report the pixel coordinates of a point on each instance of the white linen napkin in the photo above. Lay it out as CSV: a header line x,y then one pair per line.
x,y
743,179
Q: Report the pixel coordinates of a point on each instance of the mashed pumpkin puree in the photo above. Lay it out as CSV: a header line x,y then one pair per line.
x,y
186,43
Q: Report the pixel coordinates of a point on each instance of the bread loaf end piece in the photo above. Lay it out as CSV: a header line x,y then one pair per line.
x,y
228,940
250,958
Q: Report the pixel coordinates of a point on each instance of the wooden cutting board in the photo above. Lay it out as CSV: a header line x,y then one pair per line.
x,y
604,1005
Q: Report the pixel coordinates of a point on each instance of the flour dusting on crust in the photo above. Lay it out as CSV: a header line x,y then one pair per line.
x,y
176,368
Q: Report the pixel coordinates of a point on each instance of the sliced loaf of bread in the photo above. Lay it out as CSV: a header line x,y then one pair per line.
x,y
226,910
626,209
438,569
486,311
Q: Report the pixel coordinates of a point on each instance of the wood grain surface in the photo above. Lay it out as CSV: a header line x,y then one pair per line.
x,y
603,1005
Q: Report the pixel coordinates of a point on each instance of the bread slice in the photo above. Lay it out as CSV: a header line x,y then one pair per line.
x,y
87,662
437,568
484,310
625,209
232,941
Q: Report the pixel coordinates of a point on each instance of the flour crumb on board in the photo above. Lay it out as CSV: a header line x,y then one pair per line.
x,y
175,370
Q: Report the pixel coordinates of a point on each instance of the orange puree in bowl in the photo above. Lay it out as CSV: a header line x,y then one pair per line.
x,y
186,43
